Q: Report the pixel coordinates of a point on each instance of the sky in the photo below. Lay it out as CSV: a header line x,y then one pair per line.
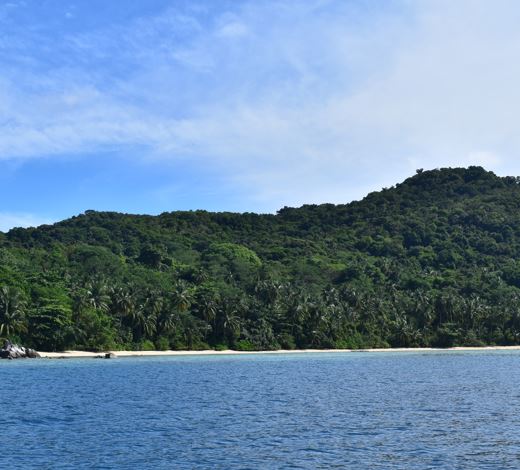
x,y
246,105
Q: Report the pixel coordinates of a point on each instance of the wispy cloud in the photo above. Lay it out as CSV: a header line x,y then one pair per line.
x,y
10,220
295,101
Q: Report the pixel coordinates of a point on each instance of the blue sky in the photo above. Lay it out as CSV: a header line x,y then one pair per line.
x,y
246,105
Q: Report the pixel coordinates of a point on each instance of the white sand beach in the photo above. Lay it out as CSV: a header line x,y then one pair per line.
x,y
86,354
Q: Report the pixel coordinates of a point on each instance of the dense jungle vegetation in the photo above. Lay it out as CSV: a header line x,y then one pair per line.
x,y
434,261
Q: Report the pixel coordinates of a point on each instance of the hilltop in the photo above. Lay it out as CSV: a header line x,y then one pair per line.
x,y
433,261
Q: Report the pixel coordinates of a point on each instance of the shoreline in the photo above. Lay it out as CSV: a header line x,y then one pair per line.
x,y
230,352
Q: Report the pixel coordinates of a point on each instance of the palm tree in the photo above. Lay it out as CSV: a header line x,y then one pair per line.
x,y
268,291
166,322
142,322
181,296
297,311
97,295
148,324
152,307
227,321
405,334
80,300
191,329
207,309
123,302
123,305
200,276
423,310
12,311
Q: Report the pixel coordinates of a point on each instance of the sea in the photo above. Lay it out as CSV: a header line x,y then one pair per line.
x,y
413,410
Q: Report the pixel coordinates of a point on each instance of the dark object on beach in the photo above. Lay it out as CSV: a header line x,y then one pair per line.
x,y
110,355
13,351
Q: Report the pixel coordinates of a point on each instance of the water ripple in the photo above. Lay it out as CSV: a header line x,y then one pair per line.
x,y
378,411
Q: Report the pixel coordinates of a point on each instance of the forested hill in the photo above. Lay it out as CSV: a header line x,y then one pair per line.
x,y
433,261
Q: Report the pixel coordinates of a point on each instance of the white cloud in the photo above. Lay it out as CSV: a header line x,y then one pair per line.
x,y
482,158
10,220
295,101
232,28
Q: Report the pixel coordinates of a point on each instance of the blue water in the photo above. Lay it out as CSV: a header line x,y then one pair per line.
x,y
356,411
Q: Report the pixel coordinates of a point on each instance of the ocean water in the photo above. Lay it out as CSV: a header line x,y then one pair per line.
x,y
448,410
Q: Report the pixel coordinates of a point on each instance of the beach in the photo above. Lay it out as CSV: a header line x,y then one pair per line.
x,y
87,354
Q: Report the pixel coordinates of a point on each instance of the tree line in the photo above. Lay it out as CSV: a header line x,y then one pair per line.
x,y
430,262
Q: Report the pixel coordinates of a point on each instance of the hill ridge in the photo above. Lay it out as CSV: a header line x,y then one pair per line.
x,y
431,261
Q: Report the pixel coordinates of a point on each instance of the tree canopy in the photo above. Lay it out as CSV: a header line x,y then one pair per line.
x,y
433,261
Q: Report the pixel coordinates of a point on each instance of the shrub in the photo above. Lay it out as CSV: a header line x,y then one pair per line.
x,y
201,346
162,344
287,341
146,345
244,345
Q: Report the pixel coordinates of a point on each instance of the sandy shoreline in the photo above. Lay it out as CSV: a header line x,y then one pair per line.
x,y
85,354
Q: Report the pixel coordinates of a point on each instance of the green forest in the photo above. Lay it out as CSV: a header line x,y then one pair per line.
x,y
433,261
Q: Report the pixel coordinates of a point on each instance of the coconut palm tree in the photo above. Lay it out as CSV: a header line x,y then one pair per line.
x,y
181,296
227,321
142,322
192,329
166,321
123,302
12,311
97,295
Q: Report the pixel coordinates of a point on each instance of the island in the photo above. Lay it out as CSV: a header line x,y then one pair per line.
x,y
432,262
